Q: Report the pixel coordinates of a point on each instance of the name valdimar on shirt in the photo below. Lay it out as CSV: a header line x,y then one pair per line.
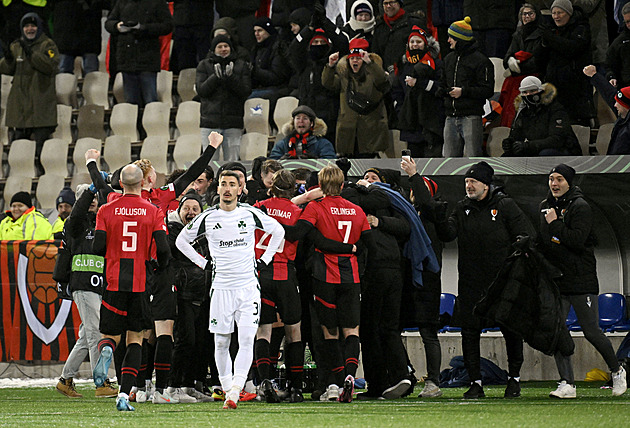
x,y
342,211
130,211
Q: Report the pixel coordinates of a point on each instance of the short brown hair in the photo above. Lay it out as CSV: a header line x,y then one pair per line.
x,y
229,173
270,165
331,180
283,184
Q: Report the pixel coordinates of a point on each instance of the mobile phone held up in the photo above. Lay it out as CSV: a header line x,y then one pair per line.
x,y
406,155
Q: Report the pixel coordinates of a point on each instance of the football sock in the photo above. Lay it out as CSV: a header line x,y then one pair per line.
x,y
351,354
163,357
106,341
261,350
130,367
332,355
294,362
223,360
244,356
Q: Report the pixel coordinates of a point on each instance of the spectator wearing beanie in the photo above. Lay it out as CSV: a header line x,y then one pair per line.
x,y
223,83
304,138
361,22
227,26
65,202
308,54
567,50
619,102
489,220
392,30
467,82
362,129
420,112
22,221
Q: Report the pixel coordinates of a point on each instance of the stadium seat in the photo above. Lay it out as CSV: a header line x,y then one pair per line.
x,y
54,157
90,122
447,305
16,184
186,84
155,149
155,119
603,138
64,121
21,159
283,110
124,121
613,312
80,178
572,321
256,116
583,134
66,89
188,117
498,73
95,88
48,187
4,130
78,157
165,87
253,144
117,89
117,151
4,95
187,150
494,145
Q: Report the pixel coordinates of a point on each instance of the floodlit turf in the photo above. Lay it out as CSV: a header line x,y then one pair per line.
x,y
594,407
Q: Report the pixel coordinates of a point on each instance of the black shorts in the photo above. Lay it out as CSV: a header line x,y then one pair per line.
x,y
124,311
337,305
163,298
281,297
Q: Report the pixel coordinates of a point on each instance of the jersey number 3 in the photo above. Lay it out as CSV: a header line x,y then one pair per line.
x,y
130,244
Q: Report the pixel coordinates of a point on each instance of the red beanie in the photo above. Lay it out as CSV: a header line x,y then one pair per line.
x,y
417,31
357,46
623,97
319,34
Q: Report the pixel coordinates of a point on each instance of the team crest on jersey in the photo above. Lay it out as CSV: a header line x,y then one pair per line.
x,y
494,214
242,226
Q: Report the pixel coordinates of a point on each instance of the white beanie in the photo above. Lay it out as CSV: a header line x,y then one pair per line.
x,y
529,83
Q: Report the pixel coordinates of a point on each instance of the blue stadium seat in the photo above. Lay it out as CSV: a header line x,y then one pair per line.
x,y
572,321
447,304
613,312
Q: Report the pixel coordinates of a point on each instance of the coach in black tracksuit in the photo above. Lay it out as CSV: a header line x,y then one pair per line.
x,y
486,223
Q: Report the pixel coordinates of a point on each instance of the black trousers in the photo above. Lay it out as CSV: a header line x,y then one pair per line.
x,y
190,352
472,352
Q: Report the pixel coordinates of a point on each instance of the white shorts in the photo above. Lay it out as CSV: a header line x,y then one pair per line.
x,y
227,306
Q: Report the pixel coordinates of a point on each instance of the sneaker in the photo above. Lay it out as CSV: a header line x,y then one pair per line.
x,y
181,396
200,396
430,390
619,382
231,400
295,395
475,391
122,403
218,394
106,391
331,393
247,396
141,396
348,390
67,388
369,395
564,390
150,389
102,366
163,398
397,390
513,388
271,396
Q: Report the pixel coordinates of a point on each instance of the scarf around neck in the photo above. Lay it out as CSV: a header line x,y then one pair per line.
x,y
298,144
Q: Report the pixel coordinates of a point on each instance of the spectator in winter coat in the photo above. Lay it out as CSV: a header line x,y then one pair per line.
x,y
227,26
618,54
223,83
541,126
23,221
467,82
65,201
420,111
304,138
361,22
362,129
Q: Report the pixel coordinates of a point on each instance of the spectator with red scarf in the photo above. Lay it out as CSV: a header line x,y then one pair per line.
x,y
304,137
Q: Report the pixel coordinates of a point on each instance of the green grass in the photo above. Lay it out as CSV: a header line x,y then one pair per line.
x,y
594,407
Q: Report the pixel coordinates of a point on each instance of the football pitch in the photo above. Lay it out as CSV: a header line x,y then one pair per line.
x,y
594,407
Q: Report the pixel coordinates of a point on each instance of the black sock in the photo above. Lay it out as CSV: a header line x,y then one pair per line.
x,y
142,373
106,341
332,355
163,357
261,356
351,354
294,362
130,367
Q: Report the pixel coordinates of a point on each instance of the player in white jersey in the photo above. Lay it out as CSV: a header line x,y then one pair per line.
x,y
235,295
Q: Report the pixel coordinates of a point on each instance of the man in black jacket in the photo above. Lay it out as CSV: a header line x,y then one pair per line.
x,y
486,223
566,232
467,82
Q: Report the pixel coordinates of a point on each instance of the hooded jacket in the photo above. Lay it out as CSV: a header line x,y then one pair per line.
x,y
32,100
569,242
222,98
546,126
318,147
356,28
468,68
370,130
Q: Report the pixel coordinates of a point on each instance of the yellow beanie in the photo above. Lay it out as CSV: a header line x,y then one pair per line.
x,y
461,30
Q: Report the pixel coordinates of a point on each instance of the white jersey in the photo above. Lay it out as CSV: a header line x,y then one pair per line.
x,y
231,241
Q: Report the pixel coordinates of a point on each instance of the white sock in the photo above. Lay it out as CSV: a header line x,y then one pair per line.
x,y
223,360
244,356
478,382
